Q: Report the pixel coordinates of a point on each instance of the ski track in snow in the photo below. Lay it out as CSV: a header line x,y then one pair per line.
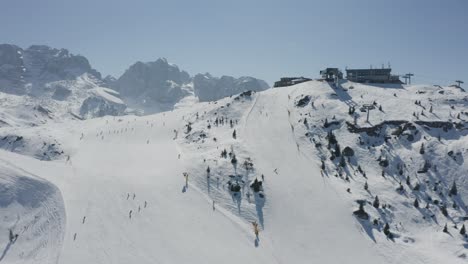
x,y
40,217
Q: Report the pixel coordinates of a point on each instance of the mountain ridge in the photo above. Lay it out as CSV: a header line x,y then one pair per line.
x,y
53,76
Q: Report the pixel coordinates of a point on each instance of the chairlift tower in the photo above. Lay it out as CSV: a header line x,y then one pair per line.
x,y
459,83
407,78
368,107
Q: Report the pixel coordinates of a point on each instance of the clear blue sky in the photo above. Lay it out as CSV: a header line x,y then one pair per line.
x,y
265,39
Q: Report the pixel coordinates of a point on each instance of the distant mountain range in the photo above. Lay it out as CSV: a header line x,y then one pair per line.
x,y
67,85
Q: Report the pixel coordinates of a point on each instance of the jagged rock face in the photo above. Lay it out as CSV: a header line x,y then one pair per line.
x,y
48,63
38,65
103,102
209,88
11,69
163,82
109,81
158,81
61,93
54,85
97,107
64,83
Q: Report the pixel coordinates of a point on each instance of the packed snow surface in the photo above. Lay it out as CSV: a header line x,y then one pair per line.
x,y
119,181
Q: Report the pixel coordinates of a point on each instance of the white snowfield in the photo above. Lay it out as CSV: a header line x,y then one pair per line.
x,y
108,94
57,101
120,186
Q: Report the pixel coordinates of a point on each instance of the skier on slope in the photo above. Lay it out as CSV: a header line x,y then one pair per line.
x,y
255,227
186,178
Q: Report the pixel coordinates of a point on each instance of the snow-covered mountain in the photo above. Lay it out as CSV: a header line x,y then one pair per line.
x,y
42,84
65,86
27,71
324,183
156,85
160,85
209,88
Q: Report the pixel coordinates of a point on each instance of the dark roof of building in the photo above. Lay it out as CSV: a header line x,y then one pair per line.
x,y
375,70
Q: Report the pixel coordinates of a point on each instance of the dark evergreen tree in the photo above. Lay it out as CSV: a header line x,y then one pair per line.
x,y
234,134
224,153
337,150
416,203
444,211
386,230
366,186
408,182
445,230
463,230
400,188
376,202
332,138
342,161
189,128
421,150
234,160
453,190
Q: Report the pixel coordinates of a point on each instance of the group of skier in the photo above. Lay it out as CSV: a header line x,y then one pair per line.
x,y
254,224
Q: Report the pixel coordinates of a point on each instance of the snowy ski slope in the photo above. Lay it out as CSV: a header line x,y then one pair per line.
x,y
117,165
